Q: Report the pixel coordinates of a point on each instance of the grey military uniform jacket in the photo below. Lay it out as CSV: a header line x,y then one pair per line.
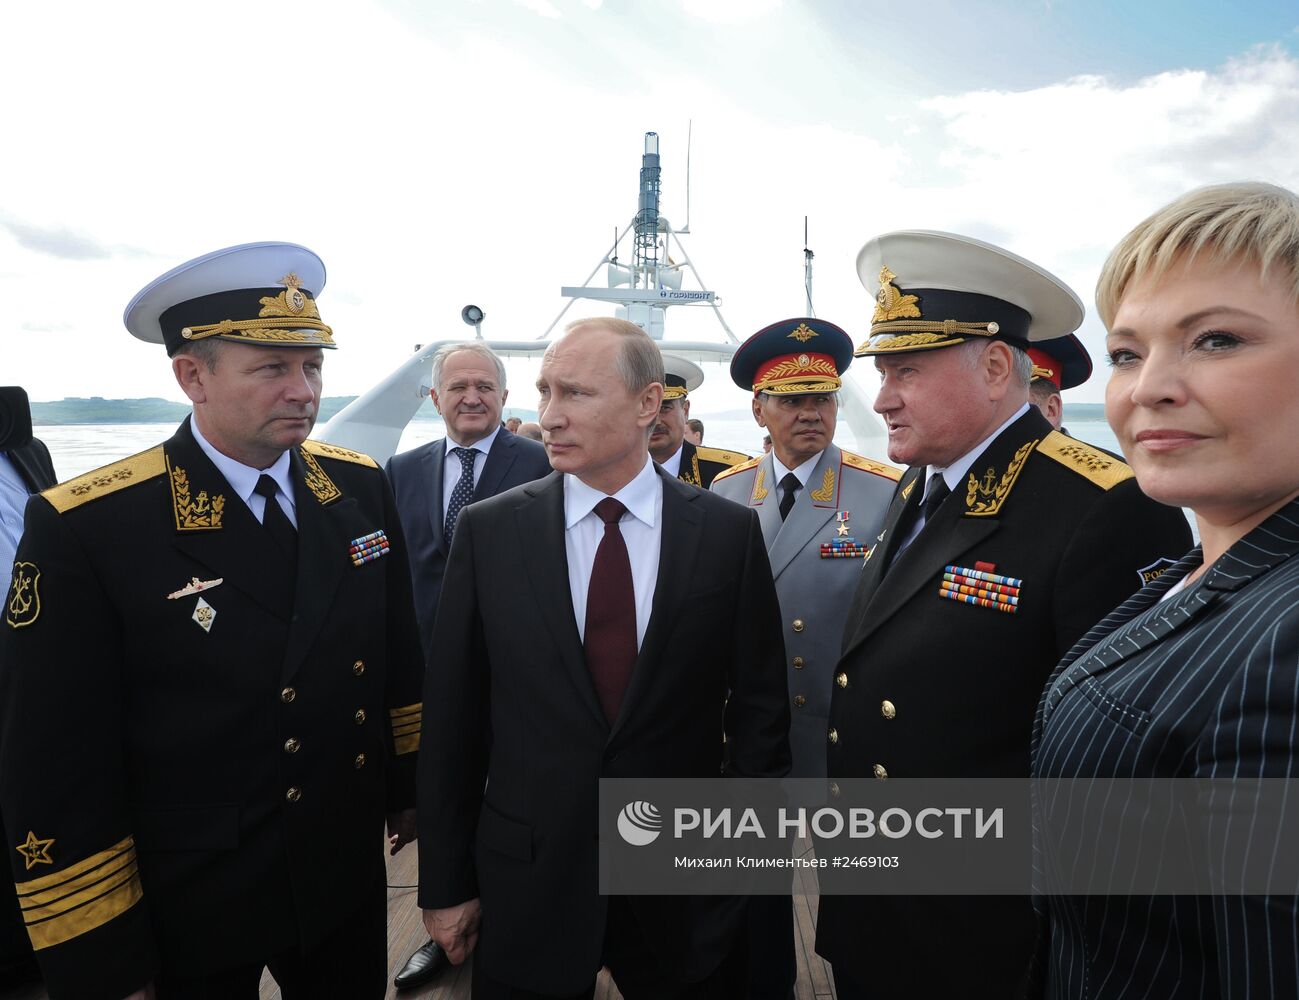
x,y
816,558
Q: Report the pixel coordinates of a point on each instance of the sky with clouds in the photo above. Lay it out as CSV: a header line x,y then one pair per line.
x,y
436,154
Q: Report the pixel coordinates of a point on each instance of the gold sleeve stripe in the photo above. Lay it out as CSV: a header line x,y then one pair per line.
x,y
111,478
406,723
342,454
406,744
67,904
72,872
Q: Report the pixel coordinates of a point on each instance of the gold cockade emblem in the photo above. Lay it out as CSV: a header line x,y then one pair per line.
x,y
890,303
292,302
803,333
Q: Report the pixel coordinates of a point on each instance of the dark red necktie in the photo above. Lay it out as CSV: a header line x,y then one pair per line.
x,y
610,636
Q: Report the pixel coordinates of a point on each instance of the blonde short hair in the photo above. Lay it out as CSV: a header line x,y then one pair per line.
x,y
1248,221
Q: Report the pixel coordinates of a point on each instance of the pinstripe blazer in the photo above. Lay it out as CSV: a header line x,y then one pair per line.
x,y
1202,685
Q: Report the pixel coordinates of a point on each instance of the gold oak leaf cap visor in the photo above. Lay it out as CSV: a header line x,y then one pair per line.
x,y
256,293
937,289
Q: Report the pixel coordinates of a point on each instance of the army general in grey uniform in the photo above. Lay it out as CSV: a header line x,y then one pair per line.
x,y
819,506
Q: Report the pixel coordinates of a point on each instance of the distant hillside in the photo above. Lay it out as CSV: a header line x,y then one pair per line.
x,y
1084,411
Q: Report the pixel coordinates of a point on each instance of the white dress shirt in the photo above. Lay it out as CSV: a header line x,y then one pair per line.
x,y
803,473
451,464
673,465
954,474
642,532
243,478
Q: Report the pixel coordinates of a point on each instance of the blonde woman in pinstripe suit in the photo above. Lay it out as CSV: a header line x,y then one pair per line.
x,y
1197,675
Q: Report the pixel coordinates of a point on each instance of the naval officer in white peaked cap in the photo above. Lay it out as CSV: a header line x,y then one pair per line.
x,y
222,627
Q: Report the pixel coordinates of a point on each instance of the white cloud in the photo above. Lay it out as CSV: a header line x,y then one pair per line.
x,y
543,7
730,11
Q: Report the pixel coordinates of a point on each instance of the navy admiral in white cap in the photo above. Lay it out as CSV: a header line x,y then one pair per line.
x,y
1004,543
211,695
693,464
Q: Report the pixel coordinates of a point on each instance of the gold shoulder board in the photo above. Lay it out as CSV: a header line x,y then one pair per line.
x,y
109,479
334,451
752,463
720,455
1090,462
870,465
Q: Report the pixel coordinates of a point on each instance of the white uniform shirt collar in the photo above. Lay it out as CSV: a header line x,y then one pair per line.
x,y
954,474
803,473
242,478
638,496
673,465
484,445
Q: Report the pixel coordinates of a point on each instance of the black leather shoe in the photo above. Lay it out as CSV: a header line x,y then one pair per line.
x,y
422,967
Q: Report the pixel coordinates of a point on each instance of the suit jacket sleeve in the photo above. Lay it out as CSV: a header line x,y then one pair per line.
x,y
757,711
1122,533
1250,735
62,771
405,676
453,768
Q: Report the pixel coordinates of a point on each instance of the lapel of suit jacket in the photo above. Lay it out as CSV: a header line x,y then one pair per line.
x,y
681,531
497,464
765,499
540,522
906,496
322,561
949,534
214,526
33,466
808,515
435,463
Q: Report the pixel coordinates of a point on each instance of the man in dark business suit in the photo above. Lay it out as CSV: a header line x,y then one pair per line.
x,y
645,628
25,468
1004,543
429,482
478,458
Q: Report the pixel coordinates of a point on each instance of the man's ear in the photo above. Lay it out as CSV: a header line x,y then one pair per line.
x,y
685,407
191,375
651,401
998,367
757,411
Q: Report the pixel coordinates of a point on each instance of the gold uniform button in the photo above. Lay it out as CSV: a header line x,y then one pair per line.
x,y
834,735
798,663
358,667
841,679
798,624
888,709
880,772
360,761
834,789
292,744
293,794
799,701
359,716
287,695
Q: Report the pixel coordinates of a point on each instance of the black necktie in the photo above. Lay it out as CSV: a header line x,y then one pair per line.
x,y
934,496
463,491
610,636
275,521
790,485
